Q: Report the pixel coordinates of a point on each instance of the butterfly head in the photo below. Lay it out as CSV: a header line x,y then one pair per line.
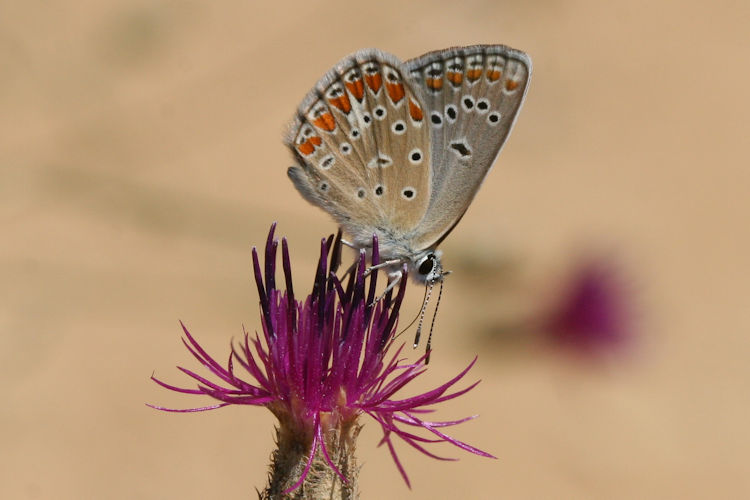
x,y
427,267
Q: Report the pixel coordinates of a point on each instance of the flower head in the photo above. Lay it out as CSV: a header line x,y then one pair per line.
x,y
322,362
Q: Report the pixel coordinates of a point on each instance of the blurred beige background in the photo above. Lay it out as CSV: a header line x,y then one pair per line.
x,y
141,158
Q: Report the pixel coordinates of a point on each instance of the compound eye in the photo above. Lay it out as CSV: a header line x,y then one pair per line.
x,y
426,267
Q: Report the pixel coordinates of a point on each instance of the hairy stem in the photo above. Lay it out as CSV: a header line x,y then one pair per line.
x,y
288,463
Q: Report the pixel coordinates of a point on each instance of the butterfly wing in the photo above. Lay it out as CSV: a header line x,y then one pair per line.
x,y
471,98
363,149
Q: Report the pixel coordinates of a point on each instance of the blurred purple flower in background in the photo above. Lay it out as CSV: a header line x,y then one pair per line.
x,y
592,313
321,363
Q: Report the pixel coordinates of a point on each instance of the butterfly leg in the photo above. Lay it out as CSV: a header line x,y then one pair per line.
x,y
370,269
394,279
387,263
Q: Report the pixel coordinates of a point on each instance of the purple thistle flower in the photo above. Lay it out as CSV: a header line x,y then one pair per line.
x,y
322,362
592,313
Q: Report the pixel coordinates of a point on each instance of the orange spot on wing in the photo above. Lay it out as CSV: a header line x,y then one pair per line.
x,y
455,77
374,82
356,88
511,85
395,91
435,83
305,148
326,122
473,74
342,103
415,111
494,74
308,147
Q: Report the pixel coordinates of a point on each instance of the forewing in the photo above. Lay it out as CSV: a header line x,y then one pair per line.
x,y
471,96
362,147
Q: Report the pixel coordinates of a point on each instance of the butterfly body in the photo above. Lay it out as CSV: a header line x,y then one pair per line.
x,y
400,149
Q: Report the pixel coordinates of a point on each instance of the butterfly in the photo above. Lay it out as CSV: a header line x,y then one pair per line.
x,y
400,149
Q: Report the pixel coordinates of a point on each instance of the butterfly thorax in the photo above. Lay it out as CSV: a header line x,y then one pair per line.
x,y
423,265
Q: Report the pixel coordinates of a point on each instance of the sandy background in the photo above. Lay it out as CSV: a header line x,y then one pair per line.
x,y
140,158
